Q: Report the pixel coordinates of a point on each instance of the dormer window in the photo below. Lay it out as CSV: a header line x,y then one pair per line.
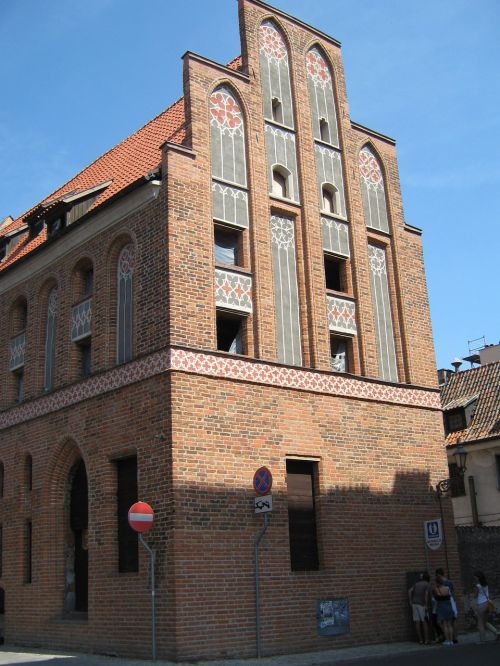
x,y
277,110
36,228
454,420
281,182
55,226
324,130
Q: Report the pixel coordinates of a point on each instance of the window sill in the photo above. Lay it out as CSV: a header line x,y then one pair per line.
x,y
340,294
70,617
233,268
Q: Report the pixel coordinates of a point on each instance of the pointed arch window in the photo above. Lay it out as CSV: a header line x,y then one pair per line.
x,y
275,73
50,340
125,313
322,98
228,137
373,190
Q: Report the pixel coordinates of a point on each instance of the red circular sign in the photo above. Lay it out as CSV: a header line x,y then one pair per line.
x,y
141,517
262,481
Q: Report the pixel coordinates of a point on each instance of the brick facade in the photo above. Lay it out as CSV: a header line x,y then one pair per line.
x,y
201,421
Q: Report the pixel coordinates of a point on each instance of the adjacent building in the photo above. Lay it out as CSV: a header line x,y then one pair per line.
x,y
232,286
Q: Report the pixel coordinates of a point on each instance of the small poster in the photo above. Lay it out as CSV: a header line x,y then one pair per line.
x,y
333,617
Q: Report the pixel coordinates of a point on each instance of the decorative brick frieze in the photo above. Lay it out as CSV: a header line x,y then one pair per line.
x,y
224,367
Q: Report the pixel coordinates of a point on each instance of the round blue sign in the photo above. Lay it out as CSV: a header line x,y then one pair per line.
x,y
262,481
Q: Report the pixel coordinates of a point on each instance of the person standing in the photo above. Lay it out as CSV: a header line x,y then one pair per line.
x,y
419,597
482,598
449,583
444,609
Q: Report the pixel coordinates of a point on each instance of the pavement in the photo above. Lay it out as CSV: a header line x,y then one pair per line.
x,y
24,656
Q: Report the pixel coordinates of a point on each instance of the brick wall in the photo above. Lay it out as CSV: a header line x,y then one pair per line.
x,y
200,434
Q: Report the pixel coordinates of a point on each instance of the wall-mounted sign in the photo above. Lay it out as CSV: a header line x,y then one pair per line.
x,y
333,617
433,533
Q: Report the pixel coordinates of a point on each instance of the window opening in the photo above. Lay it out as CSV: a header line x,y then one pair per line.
x,y
19,379
300,479
497,460
324,130
55,226
229,333
329,199
23,315
2,471
280,184
88,281
1,556
339,354
76,597
126,494
335,273
85,347
277,110
227,246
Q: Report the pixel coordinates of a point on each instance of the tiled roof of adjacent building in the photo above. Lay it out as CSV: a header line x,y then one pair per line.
x,y
462,388
123,165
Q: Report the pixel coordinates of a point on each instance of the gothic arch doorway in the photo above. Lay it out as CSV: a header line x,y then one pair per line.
x,y
76,561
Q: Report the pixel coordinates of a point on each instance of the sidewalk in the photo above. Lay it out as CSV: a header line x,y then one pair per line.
x,y
13,655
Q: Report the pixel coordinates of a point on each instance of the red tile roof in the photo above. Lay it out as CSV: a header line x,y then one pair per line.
x,y
482,383
124,164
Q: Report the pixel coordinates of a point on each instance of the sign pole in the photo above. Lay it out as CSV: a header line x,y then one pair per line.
x,y
257,584
262,483
141,519
152,556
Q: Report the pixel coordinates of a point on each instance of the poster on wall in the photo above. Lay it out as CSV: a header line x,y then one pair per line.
x,y
333,617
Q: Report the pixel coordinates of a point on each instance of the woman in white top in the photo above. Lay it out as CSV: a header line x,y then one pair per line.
x,y
482,599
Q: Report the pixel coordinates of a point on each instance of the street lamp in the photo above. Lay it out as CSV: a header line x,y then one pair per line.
x,y
454,483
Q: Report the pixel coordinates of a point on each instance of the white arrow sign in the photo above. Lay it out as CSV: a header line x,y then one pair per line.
x,y
263,504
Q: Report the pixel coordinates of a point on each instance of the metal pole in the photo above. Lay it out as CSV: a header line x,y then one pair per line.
x,y
444,534
257,584
152,555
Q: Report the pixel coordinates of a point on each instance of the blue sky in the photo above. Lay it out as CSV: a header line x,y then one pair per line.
x,y
78,76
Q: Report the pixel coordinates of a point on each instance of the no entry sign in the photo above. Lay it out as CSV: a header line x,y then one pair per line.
x,y
141,517
262,481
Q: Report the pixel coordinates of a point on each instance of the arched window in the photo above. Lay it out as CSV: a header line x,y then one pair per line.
x,y
125,305
329,201
228,137
281,182
18,325
373,190
50,340
324,130
275,73
277,108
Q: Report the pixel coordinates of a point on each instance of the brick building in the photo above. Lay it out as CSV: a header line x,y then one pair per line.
x,y
232,286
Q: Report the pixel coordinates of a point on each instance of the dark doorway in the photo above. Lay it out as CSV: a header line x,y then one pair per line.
x,y
79,516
